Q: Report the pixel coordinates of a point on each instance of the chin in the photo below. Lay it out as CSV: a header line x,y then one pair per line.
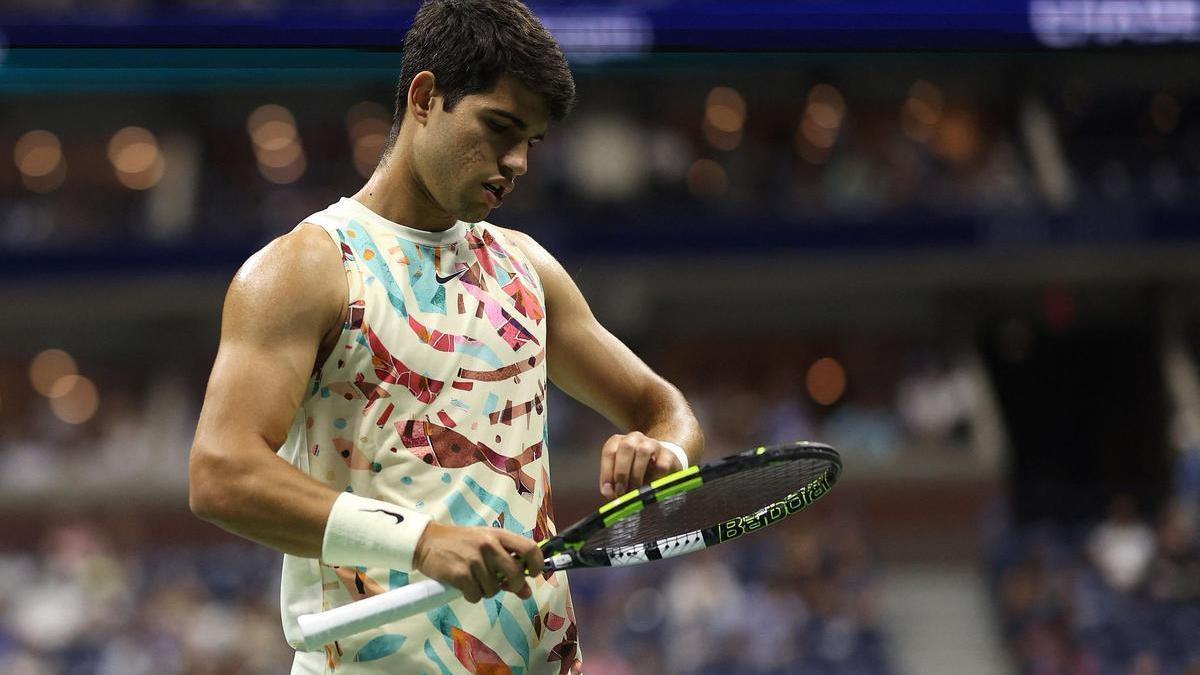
x,y
474,215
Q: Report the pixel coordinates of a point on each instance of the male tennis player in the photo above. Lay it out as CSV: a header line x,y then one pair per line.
x,y
377,409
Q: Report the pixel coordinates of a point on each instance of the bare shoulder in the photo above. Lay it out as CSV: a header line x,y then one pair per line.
x,y
562,294
298,275
526,243
298,254
542,261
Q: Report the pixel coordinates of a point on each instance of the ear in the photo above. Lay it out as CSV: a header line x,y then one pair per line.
x,y
422,94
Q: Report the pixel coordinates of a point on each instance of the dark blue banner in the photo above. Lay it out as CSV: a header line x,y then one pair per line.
x,y
625,28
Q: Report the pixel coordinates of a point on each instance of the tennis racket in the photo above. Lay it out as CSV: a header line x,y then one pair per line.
x,y
687,511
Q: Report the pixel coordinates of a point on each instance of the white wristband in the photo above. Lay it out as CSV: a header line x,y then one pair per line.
x,y
371,533
677,451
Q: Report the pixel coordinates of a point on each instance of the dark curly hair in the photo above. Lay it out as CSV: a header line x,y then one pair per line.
x,y
469,44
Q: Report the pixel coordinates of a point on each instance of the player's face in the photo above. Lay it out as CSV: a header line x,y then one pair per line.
x,y
474,153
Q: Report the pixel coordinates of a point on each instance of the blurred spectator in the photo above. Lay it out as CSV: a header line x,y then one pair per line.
x,y
935,405
1062,615
1122,546
704,611
80,607
800,602
1174,575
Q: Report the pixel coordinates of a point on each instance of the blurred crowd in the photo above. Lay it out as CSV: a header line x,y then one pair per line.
x,y
919,157
1117,596
880,401
799,602
880,406
78,605
91,601
135,435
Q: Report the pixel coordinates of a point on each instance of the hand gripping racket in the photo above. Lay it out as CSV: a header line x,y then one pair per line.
x,y
687,511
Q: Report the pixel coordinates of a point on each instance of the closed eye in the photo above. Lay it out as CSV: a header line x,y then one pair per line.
x,y
503,129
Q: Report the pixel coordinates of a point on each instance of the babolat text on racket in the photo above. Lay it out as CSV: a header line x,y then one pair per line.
x,y
687,511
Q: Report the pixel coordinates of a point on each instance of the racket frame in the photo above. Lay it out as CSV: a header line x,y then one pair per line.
x,y
566,550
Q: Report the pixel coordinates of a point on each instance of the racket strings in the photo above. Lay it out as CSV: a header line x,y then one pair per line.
x,y
740,493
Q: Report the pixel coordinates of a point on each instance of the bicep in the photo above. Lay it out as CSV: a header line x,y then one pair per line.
x,y
255,388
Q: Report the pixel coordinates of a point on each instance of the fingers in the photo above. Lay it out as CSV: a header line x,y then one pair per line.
x,y
485,576
642,455
468,584
529,555
608,460
622,465
624,461
507,568
577,667
522,556
480,561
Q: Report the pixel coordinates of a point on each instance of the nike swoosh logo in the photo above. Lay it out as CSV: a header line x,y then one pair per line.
x,y
441,279
399,518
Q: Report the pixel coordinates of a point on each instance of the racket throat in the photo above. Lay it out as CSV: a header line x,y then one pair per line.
x,y
561,554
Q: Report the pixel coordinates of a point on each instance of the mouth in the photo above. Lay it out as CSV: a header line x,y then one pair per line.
x,y
494,194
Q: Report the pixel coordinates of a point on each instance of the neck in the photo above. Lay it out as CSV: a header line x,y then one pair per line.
x,y
394,192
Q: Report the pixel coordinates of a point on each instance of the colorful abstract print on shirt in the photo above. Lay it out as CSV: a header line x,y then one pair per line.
x,y
435,399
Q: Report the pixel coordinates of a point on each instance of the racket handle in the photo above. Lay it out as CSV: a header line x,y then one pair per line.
x,y
323,628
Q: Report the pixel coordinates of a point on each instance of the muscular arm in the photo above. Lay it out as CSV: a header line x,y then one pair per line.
x,y
597,369
280,306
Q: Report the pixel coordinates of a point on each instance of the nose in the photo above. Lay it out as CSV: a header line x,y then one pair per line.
x,y
517,160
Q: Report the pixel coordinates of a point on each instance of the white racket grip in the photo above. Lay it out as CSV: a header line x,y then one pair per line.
x,y
338,623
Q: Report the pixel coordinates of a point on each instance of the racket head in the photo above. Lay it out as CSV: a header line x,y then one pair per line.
x,y
699,507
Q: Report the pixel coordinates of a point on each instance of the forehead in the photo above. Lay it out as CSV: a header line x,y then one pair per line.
x,y
513,97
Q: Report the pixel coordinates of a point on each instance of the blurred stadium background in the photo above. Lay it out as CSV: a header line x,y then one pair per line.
x,y
961,244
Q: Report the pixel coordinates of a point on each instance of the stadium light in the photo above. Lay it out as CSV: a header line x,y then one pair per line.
x,y
48,367
135,155
39,157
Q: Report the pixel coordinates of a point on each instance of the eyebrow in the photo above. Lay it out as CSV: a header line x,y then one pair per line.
x,y
517,121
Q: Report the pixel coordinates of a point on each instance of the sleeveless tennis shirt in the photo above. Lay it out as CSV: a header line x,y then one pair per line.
x,y
434,398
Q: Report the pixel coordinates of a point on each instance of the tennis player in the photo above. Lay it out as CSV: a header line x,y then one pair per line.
x,y
377,408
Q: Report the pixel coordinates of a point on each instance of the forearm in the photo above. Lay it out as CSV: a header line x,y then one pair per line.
x,y
664,414
255,494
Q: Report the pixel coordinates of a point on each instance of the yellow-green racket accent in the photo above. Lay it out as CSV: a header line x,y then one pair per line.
x,y
684,486
619,502
672,477
625,511
633,501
